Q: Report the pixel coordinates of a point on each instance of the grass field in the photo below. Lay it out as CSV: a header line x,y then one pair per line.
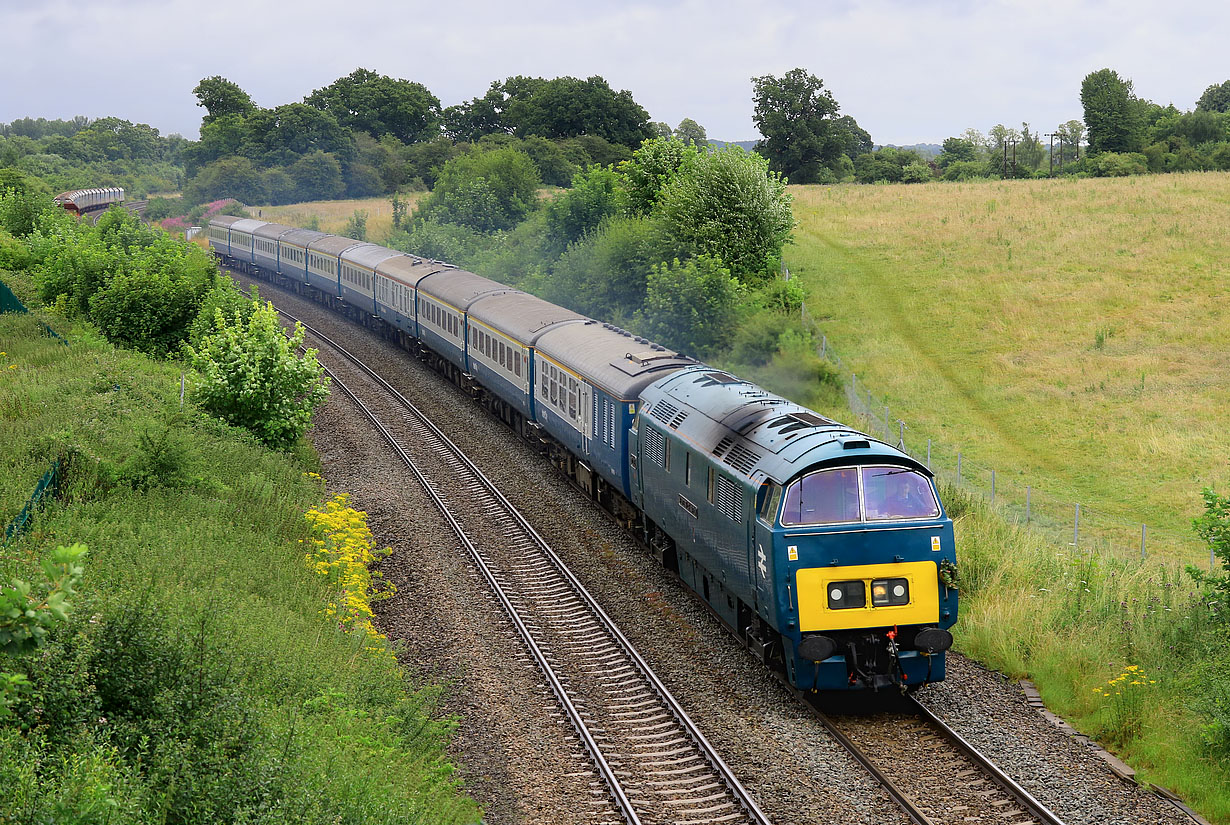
x,y
333,215
1071,332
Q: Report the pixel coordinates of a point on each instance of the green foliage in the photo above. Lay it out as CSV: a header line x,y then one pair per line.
x,y
691,133
729,205
915,172
159,208
965,170
1112,113
485,191
220,96
14,253
802,132
956,150
691,306
251,376
1214,527
380,105
317,176
28,614
198,679
654,165
356,226
604,275
564,107
1216,98
230,177
1118,164
141,288
595,196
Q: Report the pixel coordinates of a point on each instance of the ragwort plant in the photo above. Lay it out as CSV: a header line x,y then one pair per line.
x,y
341,551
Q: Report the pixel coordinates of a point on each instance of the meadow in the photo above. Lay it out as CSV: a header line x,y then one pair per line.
x,y
1071,332
331,216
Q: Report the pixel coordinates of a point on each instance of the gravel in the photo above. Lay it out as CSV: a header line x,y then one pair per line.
x,y
454,634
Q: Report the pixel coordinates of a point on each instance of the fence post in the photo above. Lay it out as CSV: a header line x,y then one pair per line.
x,y
901,437
1027,514
824,346
958,465
928,454
1142,542
1076,528
992,486
854,387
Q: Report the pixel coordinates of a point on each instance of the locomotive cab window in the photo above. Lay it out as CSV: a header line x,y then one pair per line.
x,y
852,494
897,493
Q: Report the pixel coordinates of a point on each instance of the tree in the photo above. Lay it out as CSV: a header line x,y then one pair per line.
x,y
660,129
802,134
229,177
279,135
488,114
380,105
1216,98
250,376
691,133
570,107
956,150
221,97
691,306
1112,113
651,168
317,176
1071,135
595,196
486,191
729,205
1029,151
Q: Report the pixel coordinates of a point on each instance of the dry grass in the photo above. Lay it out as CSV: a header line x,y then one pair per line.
x,y
333,215
1071,331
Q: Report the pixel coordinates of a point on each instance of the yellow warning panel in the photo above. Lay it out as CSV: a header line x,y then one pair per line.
x,y
814,584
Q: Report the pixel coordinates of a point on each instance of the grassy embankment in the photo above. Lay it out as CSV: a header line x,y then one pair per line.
x,y
198,677
333,215
1073,334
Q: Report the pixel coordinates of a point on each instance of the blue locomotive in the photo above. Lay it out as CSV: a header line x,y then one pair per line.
x,y
826,551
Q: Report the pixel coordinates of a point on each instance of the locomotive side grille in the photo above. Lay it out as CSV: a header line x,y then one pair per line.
x,y
664,410
655,447
741,458
678,419
722,445
729,499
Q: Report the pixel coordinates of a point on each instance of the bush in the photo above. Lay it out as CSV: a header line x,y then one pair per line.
x,y
728,204
966,170
162,208
691,306
594,197
917,172
252,377
15,255
485,191
651,168
604,275
1118,164
429,238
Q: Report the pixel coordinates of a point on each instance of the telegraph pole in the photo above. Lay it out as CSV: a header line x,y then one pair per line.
x,y
1052,136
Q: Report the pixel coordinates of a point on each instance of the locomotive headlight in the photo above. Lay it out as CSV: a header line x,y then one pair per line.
x,y
890,592
843,595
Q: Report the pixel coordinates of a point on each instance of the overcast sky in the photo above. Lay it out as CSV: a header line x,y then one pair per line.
x,y
909,71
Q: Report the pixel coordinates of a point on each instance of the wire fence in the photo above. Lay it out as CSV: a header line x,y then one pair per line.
x,y
1006,489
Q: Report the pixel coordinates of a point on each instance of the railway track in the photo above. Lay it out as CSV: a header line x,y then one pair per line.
x,y
656,764
932,773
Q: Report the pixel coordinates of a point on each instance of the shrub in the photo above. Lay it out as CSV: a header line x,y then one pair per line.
x,y
251,376
430,238
604,275
594,197
14,253
1118,164
356,226
691,306
485,191
728,204
651,168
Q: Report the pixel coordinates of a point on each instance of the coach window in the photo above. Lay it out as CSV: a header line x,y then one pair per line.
x,y
517,363
501,358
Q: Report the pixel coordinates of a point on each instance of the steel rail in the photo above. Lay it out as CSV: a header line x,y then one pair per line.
x,y
1006,783
739,794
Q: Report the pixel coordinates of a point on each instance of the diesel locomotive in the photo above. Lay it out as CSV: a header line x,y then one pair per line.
x,y
826,551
